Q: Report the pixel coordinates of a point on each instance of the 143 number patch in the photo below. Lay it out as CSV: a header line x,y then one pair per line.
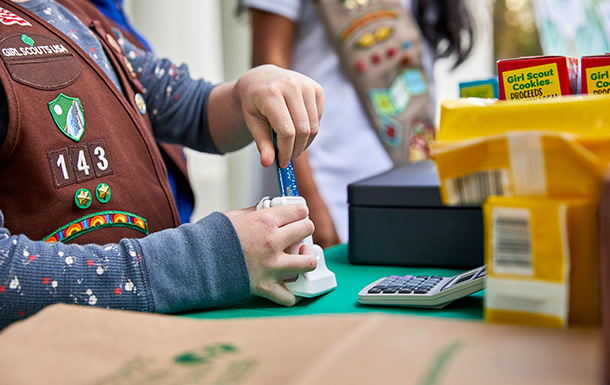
x,y
79,163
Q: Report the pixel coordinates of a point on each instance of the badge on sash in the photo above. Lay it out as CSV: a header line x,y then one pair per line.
x,y
68,114
390,131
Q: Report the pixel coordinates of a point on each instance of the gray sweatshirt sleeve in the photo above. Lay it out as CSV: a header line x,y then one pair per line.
x,y
176,103
193,266
196,265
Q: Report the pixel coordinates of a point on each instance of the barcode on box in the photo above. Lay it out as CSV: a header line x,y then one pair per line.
x,y
511,241
476,187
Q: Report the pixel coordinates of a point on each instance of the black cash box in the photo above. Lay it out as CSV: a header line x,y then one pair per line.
x,y
397,218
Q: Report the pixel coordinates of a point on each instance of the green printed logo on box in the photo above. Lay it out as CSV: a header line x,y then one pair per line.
x,y
598,80
532,83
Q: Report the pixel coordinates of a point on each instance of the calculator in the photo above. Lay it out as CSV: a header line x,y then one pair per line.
x,y
425,291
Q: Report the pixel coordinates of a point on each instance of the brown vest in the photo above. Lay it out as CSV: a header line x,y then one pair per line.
x,y
79,161
173,154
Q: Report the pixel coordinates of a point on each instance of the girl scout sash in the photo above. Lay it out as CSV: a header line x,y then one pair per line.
x,y
379,46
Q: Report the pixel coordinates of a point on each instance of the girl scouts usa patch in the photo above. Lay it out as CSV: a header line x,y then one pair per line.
x,y
68,114
39,61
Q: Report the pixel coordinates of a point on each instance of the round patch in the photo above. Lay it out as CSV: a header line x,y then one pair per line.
x,y
82,198
103,193
140,103
349,5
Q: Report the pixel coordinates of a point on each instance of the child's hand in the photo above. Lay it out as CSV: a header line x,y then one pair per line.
x,y
289,102
266,236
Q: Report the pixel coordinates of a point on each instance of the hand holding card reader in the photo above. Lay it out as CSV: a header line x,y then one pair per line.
x,y
423,291
316,282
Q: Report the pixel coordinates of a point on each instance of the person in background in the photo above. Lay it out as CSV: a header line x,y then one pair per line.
x,y
86,212
113,9
173,155
291,34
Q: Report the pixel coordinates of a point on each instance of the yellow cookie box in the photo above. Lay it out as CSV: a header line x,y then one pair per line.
x,y
521,163
469,118
542,257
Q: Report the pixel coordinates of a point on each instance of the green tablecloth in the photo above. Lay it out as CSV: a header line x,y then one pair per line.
x,y
344,299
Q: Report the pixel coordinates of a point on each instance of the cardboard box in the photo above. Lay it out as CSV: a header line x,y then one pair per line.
x,y
581,115
537,77
604,267
595,74
519,163
542,261
82,345
397,218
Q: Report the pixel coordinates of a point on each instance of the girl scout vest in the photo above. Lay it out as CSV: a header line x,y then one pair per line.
x,y
79,163
379,46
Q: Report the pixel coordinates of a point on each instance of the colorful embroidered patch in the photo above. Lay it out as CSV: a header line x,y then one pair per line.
x,y
415,81
420,143
390,131
68,114
364,21
400,93
394,100
9,18
382,101
103,192
97,221
369,39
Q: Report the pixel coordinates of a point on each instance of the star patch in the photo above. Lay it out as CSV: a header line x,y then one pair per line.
x,y
103,193
82,198
68,114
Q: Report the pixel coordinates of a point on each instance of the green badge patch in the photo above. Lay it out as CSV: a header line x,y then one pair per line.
x,y
68,114
27,40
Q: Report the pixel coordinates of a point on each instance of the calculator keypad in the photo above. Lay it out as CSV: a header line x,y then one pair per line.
x,y
407,284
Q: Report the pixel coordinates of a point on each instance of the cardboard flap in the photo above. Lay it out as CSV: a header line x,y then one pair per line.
x,y
76,345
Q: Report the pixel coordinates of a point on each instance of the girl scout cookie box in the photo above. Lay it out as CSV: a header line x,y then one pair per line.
x,y
471,118
542,261
595,74
537,77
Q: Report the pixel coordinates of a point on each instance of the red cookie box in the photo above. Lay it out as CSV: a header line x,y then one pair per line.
x,y
594,74
537,77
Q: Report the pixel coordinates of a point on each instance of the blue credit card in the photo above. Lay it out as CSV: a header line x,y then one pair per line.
x,y
287,181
